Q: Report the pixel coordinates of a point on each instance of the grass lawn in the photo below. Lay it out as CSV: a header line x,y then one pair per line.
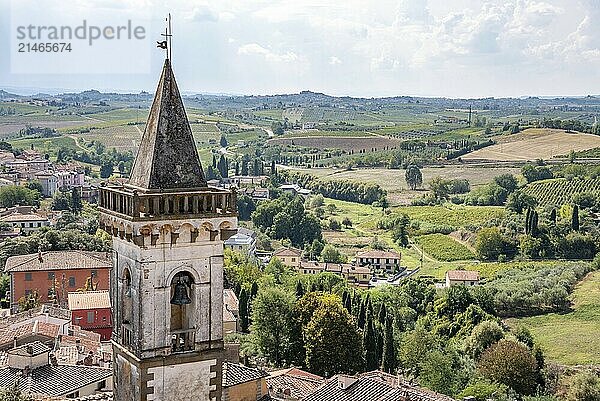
x,y
572,338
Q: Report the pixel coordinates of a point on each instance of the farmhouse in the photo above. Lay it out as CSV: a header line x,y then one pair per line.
x,y
289,256
462,277
358,275
377,260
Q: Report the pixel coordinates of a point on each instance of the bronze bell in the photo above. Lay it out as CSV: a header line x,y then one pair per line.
x,y
180,294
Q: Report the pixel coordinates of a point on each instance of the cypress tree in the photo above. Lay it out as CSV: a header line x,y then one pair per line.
x,y
528,222
553,216
299,290
356,303
534,223
379,332
382,314
370,345
214,161
313,287
243,306
389,362
362,315
575,218
348,304
253,290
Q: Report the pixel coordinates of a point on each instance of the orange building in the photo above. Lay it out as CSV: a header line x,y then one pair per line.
x,y
53,274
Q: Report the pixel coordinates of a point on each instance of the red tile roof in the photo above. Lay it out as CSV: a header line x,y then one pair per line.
x,y
463,275
58,260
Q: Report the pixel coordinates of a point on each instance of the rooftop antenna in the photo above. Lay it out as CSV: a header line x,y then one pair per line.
x,y
166,44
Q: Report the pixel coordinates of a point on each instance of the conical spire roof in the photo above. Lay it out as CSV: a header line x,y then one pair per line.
x,y
167,157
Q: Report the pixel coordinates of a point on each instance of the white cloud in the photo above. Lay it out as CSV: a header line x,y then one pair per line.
x,y
333,60
256,49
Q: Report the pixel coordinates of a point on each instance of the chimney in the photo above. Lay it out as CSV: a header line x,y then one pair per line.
x,y
15,342
345,382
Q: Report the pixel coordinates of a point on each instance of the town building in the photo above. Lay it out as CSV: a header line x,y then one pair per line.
x,y
462,277
295,189
91,311
243,241
53,274
48,181
248,180
256,193
242,383
168,228
25,222
289,256
357,275
67,179
31,367
379,260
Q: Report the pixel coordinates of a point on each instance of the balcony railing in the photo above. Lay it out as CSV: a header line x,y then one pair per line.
x,y
183,340
141,206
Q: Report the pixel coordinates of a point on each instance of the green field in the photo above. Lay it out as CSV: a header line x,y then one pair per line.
x,y
394,183
560,191
444,248
454,216
572,338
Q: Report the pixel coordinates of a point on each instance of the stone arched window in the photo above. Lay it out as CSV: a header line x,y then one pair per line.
x,y
182,312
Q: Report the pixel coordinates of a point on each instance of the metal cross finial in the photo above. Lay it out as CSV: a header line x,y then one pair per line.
x,y
166,44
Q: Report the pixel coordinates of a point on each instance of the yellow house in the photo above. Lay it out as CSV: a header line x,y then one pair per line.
x,y
289,256
241,383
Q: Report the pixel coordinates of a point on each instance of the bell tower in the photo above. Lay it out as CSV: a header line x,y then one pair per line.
x,y
168,229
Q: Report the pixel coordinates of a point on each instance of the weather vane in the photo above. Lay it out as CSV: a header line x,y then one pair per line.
x,y
166,44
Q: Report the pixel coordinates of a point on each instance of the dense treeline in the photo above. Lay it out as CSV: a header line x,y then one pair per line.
x,y
342,190
287,218
450,340
570,125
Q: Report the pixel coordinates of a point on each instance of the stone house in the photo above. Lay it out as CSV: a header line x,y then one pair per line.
x,y
462,277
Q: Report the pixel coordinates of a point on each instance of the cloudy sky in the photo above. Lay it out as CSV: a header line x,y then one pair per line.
x,y
456,48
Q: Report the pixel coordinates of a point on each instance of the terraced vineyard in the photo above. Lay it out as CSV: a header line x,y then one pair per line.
x,y
444,248
560,191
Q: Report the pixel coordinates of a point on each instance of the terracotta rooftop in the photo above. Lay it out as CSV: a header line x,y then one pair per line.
x,y
89,300
36,328
287,252
58,260
463,275
23,217
293,383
